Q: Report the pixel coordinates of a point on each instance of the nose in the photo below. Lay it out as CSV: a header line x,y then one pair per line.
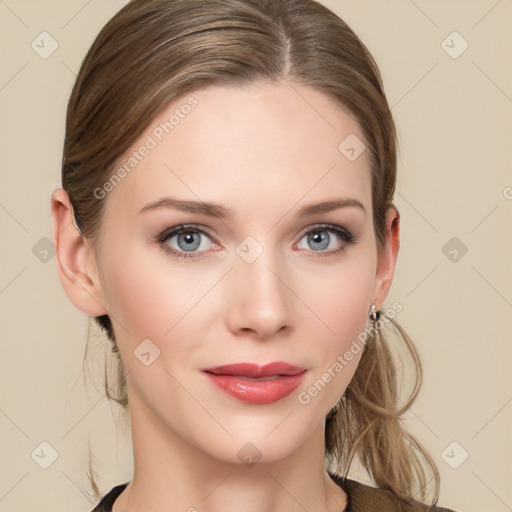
x,y
260,301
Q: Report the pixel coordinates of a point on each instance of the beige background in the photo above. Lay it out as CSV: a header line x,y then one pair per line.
x,y
454,117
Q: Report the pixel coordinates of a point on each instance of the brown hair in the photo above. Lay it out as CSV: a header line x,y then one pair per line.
x,y
154,51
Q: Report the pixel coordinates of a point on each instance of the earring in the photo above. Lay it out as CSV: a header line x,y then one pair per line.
x,y
374,313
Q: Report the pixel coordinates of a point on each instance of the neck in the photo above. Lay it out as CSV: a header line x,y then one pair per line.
x,y
172,474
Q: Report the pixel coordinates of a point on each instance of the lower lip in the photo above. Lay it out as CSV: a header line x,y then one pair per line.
x,y
257,391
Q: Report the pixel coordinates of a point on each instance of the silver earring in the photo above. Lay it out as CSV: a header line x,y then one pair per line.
x,y
374,313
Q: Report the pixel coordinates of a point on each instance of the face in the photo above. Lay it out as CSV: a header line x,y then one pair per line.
x,y
261,284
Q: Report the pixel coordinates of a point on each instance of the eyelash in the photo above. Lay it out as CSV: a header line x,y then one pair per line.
x,y
162,238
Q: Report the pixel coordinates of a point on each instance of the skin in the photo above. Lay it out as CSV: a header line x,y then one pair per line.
x,y
264,151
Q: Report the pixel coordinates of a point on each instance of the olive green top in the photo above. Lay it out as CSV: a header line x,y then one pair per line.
x,y
360,498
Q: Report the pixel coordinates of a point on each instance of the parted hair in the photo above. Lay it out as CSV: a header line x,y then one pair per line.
x,y
151,53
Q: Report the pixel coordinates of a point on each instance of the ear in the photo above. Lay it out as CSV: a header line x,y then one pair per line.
x,y
76,260
387,258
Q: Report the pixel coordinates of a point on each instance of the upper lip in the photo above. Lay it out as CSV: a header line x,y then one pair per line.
x,y
255,371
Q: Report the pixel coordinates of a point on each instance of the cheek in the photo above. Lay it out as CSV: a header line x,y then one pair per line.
x,y
341,303
143,297
341,298
150,297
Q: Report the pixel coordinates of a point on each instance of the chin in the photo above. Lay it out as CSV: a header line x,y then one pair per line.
x,y
266,442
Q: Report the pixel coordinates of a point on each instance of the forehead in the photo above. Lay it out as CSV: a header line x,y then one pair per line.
x,y
274,141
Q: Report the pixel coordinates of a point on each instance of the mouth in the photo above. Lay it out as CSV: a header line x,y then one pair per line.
x,y
250,383
253,371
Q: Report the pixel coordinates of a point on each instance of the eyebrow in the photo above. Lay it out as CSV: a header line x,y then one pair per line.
x,y
219,211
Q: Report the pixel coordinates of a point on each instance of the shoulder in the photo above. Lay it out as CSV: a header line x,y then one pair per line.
x,y
106,503
364,498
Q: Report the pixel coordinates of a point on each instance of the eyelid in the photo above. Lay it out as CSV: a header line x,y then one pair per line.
x,y
346,235
164,235
206,230
328,227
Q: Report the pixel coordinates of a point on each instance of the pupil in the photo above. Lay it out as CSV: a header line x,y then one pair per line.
x,y
318,237
188,238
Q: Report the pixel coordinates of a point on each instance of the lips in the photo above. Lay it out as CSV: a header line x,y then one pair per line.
x,y
254,371
255,384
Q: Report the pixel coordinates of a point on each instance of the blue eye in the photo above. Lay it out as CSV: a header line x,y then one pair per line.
x,y
188,240
319,239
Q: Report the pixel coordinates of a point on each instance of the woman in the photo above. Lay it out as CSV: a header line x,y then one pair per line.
x,y
227,218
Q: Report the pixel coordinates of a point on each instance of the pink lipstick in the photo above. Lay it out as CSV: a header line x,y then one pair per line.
x,y
255,384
